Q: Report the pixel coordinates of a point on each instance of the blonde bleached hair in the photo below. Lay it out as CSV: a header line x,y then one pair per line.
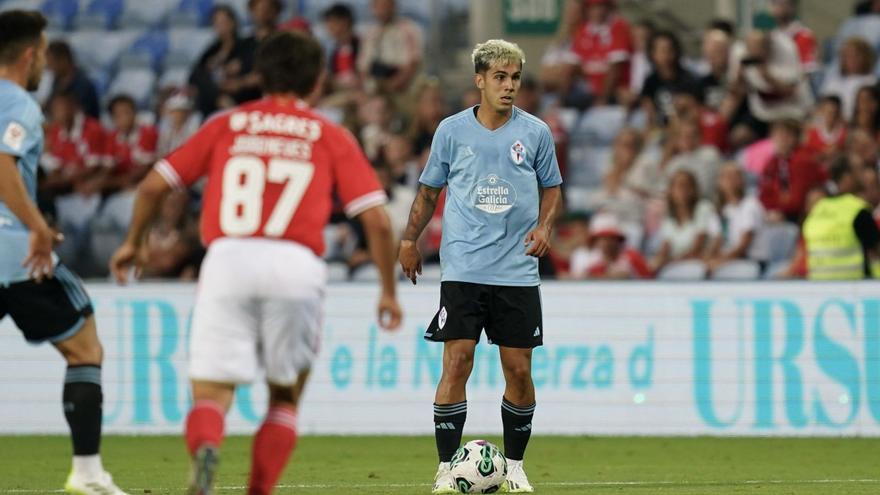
x,y
496,52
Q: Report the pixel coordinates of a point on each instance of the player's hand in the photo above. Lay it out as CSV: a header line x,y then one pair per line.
x,y
39,261
123,259
389,312
410,260
538,241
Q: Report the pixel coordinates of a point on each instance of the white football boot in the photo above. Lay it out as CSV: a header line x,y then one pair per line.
x,y
443,482
517,481
101,484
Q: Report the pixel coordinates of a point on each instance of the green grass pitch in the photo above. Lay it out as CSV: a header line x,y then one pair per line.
x,y
405,465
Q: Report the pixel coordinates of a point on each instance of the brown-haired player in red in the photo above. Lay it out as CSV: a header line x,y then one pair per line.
x,y
273,166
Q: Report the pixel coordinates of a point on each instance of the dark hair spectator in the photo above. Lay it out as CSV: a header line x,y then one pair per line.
x,y
867,110
67,77
667,76
222,63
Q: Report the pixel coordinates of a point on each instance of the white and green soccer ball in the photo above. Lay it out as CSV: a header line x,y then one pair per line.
x,y
478,467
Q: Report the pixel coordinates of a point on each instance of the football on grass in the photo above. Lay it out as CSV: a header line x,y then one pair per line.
x,y
478,467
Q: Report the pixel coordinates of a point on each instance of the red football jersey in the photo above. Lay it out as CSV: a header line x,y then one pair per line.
x,y
83,146
821,141
273,166
598,47
137,148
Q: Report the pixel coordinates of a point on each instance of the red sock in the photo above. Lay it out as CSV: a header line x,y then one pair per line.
x,y
204,425
272,447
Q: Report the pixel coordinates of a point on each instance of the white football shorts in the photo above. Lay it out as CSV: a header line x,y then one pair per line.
x,y
259,305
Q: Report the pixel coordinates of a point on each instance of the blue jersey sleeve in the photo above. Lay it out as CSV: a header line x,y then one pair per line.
x,y
437,169
546,166
18,132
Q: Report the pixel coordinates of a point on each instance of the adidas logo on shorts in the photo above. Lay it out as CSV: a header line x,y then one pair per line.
x,y
537,332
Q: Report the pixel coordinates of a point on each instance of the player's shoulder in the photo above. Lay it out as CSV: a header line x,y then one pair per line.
x,y
531,122
16,102
454,122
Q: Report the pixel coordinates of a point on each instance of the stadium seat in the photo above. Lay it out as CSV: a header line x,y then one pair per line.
x,y
599,126
189,10
683,271
587,165
99,14
186,45
774,270
174,77
148,50
366,273
145,14
137,83
774,242
61,13
866,27
100,49
337,272
738,270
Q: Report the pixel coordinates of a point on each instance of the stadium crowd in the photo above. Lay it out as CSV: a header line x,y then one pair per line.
x,y
675,166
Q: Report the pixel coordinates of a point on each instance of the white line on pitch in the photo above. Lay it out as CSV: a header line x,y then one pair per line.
x,y
322,486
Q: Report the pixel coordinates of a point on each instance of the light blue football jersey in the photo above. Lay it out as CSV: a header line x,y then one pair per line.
x,y
21,135
493,180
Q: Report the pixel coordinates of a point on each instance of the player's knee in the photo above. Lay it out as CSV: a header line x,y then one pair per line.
x,y
84,354
519,374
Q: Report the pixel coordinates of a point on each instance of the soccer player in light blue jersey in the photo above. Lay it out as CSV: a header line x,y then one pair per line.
x,y
44,299
498,165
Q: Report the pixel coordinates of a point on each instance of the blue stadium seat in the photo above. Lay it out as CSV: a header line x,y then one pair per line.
x,y
200,10
137,83
61,13
145,14
100,14
100,49
148,50
738,270
185,45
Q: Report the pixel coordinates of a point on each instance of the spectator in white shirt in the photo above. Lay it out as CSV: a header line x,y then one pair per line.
x,y
855,70
741,215
691,223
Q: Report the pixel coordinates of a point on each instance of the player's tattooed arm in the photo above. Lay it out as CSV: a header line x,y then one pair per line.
x,y
538,240
419,215
421,212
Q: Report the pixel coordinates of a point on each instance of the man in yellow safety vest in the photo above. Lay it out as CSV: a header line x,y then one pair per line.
x,y
841,236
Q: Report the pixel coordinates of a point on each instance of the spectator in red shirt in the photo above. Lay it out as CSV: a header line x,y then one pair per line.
x,y
75,172
342,64
75,146
784,12
604,46
827,135
688,105
131,147
608,256
790,174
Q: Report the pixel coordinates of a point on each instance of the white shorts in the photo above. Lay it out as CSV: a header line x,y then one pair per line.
x,y
259,305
